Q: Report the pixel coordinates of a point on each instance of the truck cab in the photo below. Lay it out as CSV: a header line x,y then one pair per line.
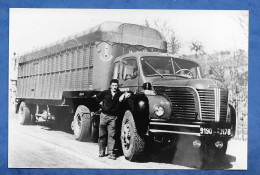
x,y
179,99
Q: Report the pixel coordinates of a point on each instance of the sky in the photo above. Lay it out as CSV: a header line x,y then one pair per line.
x,y
216,29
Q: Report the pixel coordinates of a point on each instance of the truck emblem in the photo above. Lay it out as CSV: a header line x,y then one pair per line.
x,y
106,56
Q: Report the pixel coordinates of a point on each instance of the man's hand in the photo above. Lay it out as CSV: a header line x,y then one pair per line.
x,y
124,95
127,94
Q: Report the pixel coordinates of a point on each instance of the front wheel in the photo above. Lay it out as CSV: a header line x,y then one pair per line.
x,y
132,143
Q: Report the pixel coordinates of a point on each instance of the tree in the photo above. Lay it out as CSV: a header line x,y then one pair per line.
x,y
242,20
197,47
173,43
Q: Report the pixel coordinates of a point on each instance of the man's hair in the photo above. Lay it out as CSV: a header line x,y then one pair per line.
x,y
114,81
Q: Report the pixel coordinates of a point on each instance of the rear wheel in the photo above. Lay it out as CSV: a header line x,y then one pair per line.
x,y
82,124
132,143
24,115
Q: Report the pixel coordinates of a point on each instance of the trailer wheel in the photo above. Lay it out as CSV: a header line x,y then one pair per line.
x,y
32,109
82,124
132,143
24,114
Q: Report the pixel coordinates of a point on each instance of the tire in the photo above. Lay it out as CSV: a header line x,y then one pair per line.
x,y
32,109
94,129
24,114
33,119
132,143
82,124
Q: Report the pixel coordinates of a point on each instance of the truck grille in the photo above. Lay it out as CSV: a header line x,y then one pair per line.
x,y
207,101
183,104
213,104
223,105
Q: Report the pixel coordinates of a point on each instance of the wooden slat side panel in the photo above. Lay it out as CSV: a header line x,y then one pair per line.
x,y
91,59
86,52
73,59
69,59
44,86
19,87
85,78
52,83
62,83
73,80
56,86
49,76
23,88
48,86
78,79
67,84
63,62
38,87
32,88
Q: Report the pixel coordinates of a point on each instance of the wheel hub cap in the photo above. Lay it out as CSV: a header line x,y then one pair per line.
x,y
126,136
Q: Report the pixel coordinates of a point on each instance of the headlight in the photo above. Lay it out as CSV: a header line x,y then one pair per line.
x,y
158,110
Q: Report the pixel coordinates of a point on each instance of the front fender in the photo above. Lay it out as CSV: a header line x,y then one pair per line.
x,y
233,118
139,106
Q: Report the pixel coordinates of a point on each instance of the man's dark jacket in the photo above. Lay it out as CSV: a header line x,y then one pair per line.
x,y
110,105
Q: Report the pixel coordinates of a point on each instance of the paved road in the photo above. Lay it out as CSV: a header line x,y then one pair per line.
x,y
45,146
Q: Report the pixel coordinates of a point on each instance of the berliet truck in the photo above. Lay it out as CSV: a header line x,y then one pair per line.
x,y
170,98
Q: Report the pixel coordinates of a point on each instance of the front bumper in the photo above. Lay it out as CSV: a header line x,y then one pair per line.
x,y
199,129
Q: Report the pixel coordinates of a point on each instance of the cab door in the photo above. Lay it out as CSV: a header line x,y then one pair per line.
x,y
129,78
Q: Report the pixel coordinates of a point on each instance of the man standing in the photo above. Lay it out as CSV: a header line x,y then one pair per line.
x,y
111,102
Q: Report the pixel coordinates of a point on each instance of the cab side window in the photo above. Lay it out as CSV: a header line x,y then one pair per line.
x,y
130,69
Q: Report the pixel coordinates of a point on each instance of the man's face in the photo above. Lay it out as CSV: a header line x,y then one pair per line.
x,y
113,87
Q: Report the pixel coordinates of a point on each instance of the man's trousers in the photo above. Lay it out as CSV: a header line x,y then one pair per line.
x,y
107,133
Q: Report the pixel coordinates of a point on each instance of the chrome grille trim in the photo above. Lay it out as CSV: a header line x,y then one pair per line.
x,y
223,105
174,124
168,93
173,132
208,104
213,104
217,103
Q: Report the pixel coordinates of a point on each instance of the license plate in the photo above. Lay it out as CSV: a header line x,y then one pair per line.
x,y
218,131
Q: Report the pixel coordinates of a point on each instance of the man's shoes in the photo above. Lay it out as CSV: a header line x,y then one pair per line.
x,y
112,156
101,155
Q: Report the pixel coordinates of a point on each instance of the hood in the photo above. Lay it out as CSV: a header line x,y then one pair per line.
x,y
202,83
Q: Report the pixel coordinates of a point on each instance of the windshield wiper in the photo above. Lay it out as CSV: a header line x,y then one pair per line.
x,y
154,69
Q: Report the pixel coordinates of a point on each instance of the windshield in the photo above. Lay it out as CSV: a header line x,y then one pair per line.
x,y
165,66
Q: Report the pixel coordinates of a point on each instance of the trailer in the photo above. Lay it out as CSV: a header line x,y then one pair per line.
x,y
58,81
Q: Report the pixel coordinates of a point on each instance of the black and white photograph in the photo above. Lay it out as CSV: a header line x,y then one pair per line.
x,y
128,89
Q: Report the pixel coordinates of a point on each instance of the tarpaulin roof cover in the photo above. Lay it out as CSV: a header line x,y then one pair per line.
x,y
113,32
